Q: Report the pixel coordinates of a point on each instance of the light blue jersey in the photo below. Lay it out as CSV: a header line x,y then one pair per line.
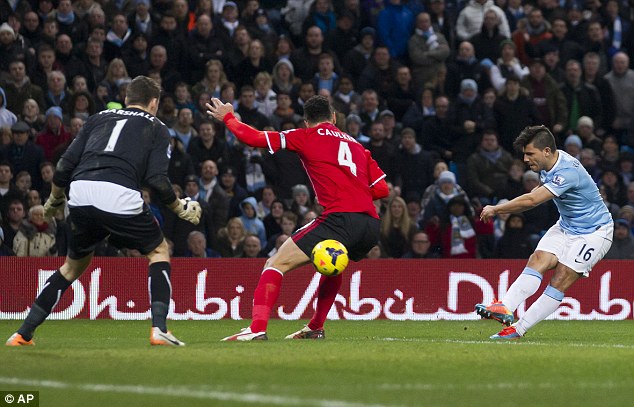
x,y
576,195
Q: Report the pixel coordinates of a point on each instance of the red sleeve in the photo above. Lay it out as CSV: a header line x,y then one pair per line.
x,y
375,173
250,136
379,190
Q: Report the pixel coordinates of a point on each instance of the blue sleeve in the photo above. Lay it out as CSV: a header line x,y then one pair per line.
x,y
562,181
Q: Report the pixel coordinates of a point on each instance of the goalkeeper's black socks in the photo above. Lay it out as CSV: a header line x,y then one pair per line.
x,y
160,293
44,303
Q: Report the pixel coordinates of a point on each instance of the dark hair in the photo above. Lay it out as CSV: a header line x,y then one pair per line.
x,y
142,90
540,136
317,109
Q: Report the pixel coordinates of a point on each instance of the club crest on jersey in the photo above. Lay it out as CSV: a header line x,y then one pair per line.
x,y
559,180
169,151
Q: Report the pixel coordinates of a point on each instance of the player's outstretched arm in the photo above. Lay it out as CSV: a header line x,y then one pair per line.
x,y
245,133
522,203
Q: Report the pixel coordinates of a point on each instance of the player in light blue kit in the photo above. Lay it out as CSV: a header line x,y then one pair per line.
x,y
579,239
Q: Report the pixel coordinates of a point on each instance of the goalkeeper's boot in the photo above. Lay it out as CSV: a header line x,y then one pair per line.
x,y
17,340
307,333
496,311
245,334
509,333
160,338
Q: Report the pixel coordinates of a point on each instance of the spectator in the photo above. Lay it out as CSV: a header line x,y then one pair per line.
x,y
537,30
353,128
357,58
250,220
197,246
344,36
401,97
443,21
212,81
207,146
265,97
12,219
513,187
184,128
515,243
488,168
284,111
320,15
305,60
231,238
116,74
435,199
621,78
95,64
248,111
623,243
267,196
507,65
80,105
284,78
428,50
288,225
23,154
5,250
272,221
470,19
294,14
118,36
254,63
180,164
7,117
140,21
487,42
592,76
31,115
159,66
35,237
455,233
18,88
582,99
8,191
465,66
513,111
395,25
614,187
326,77
414,166
380,73
419,247
207,223
213,193
610,152
467,118
396,229
573,146
137,57
545,94
203,45
382,151
252,247
301,202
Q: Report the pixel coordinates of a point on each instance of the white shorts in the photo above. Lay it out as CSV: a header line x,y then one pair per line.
x,y
579,252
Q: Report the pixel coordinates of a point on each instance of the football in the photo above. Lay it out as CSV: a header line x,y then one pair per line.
x,y
330,257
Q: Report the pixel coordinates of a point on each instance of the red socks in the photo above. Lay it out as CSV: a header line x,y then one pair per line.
x,y
328,289
264,298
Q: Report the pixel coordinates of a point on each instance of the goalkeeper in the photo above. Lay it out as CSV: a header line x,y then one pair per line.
x,y
117,152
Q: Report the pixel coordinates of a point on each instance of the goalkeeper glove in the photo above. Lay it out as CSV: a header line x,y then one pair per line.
x,y
53,205
187,209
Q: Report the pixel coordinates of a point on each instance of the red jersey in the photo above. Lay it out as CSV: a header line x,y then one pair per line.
x,y
340,169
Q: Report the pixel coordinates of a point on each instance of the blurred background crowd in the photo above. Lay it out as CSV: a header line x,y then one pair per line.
x,y
437,90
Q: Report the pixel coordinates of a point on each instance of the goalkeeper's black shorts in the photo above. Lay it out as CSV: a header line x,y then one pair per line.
x,y
89,226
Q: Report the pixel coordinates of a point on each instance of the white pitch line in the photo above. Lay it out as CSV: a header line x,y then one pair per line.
x,y
518,343
187,392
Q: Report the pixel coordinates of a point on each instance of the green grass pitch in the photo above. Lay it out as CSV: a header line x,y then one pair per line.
x,y
376,363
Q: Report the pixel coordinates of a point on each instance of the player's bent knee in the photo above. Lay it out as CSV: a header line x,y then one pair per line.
x,y
161,253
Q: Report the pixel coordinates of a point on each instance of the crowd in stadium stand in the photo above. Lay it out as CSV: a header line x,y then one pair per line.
x,y
437,90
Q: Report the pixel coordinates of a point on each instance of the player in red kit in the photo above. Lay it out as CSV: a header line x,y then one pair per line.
x,y
346,180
